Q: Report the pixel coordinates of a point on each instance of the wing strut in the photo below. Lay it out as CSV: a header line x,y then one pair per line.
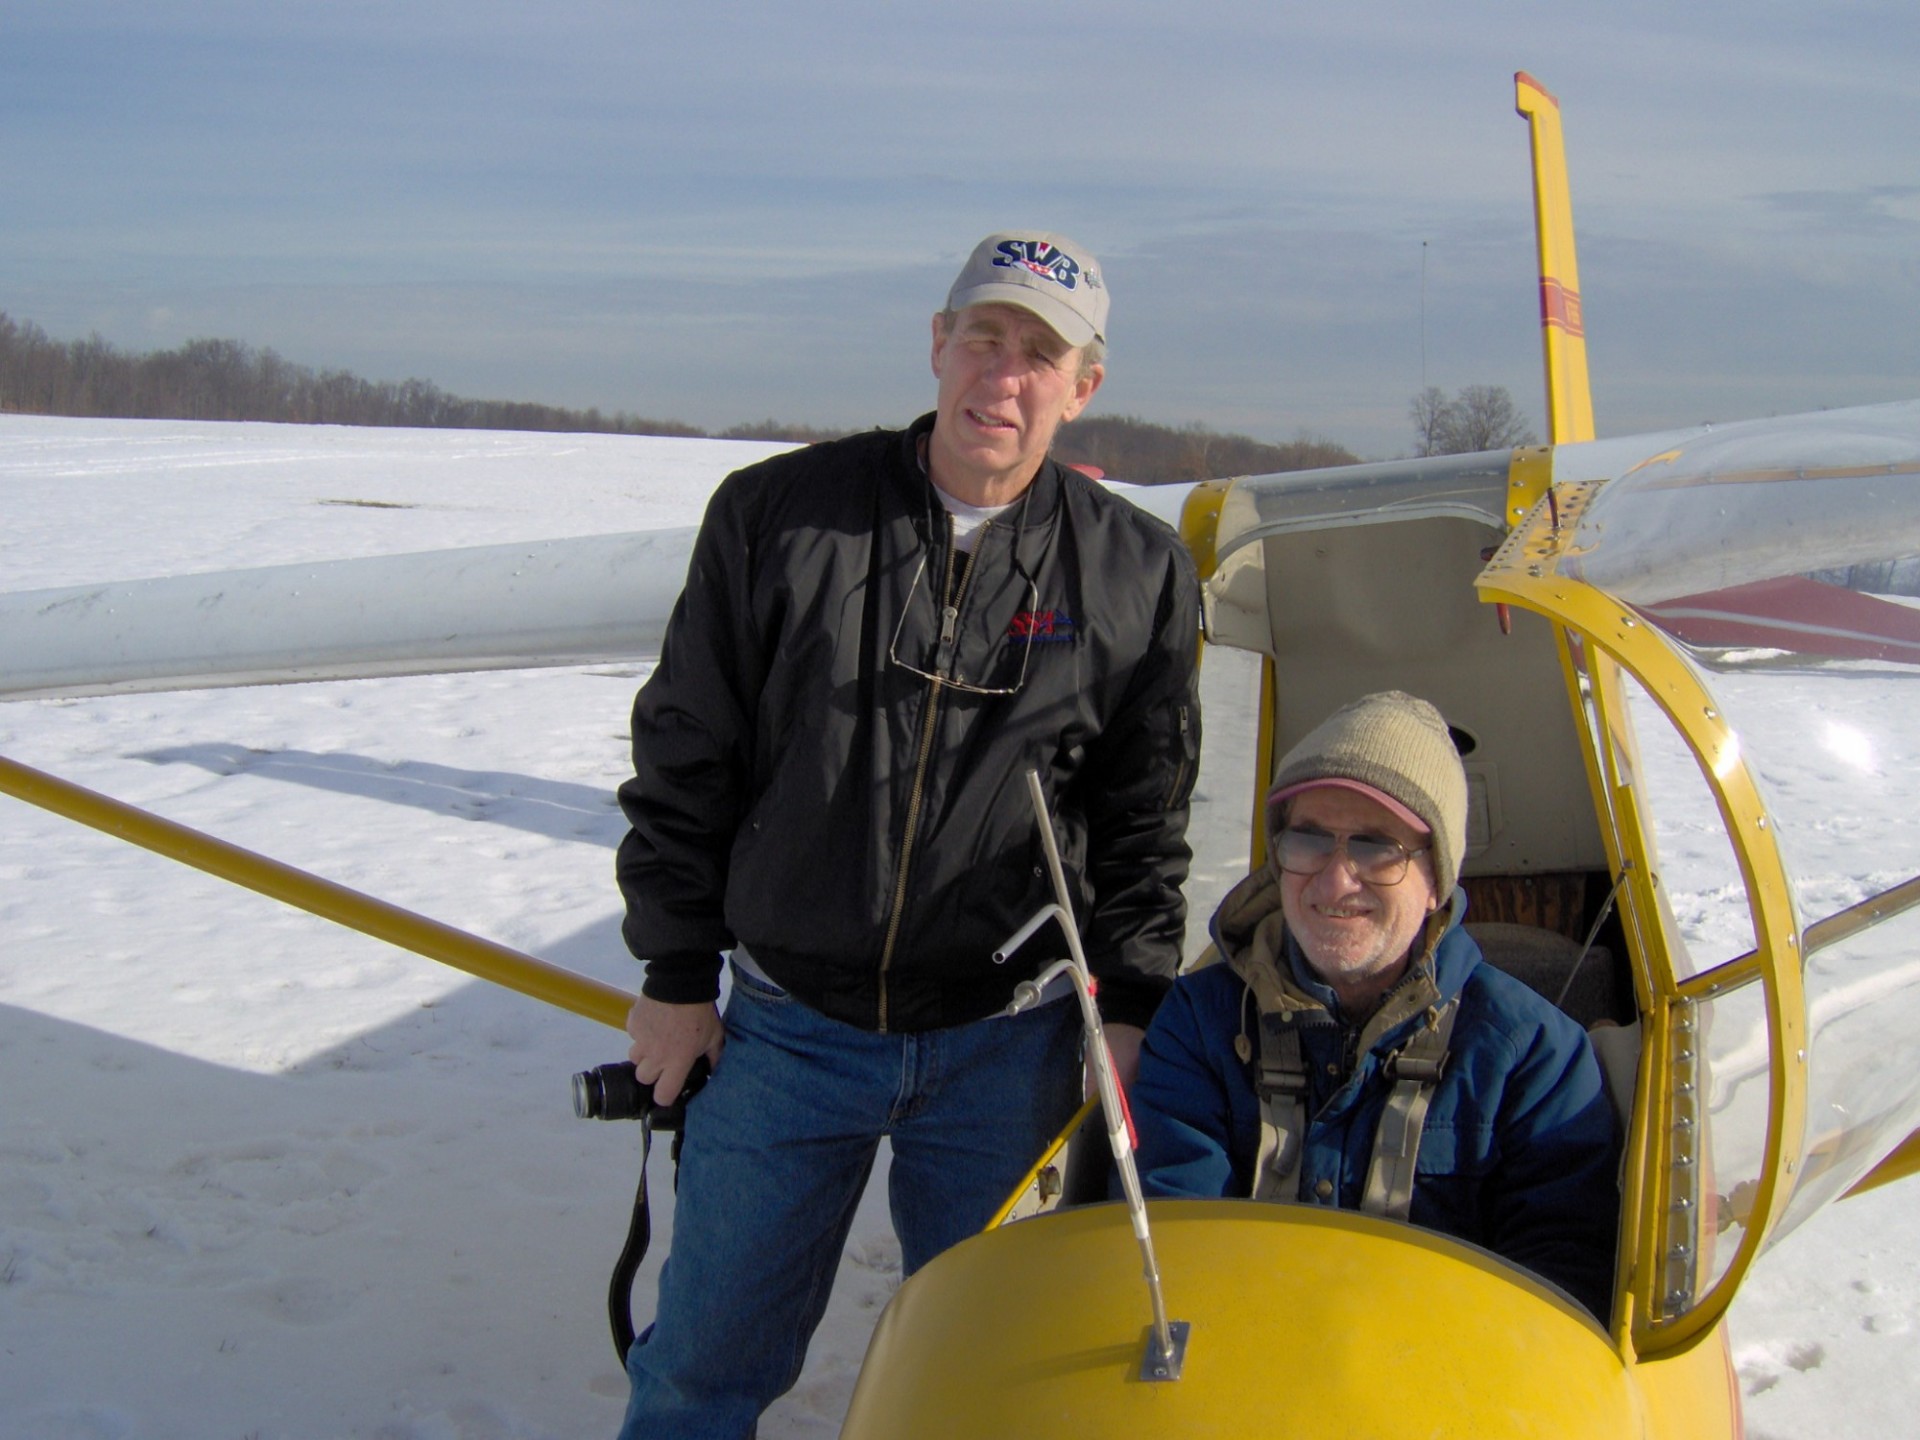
x,y
581,994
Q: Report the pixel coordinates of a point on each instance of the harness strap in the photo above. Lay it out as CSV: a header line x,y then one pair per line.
x,y
1281,1082
1413,1071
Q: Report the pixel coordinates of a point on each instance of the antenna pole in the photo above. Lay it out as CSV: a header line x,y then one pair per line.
x,y
1167,1346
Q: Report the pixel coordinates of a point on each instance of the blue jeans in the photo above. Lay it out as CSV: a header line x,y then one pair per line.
x,y
777,1151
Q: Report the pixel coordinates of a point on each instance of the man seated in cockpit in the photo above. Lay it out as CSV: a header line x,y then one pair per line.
x,y
1355,1051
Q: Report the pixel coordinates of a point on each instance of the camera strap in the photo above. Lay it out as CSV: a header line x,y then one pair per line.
x,y
639,1237
671,1119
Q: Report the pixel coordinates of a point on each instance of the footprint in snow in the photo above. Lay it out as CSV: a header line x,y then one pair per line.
x,y
1763,1369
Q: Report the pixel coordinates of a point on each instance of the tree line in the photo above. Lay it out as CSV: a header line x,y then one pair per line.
x,y
229,380
1134,449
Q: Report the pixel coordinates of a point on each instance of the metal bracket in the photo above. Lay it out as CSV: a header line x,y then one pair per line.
x,y
1158,1364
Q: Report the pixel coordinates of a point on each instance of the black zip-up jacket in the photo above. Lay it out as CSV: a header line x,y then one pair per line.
x,y
805,787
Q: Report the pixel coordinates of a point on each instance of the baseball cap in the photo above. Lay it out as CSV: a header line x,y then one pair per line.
x,y
1041,272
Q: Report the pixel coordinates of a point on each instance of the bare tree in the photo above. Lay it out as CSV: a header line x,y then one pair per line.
x,y
1485,418
1480,417
1429,413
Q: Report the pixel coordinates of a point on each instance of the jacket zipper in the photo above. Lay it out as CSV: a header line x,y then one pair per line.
x,y
949,636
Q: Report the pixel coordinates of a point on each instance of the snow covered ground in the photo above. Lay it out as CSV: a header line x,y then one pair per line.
x,y
261,1177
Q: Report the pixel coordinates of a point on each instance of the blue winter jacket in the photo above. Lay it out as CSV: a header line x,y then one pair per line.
x,y
1519,1154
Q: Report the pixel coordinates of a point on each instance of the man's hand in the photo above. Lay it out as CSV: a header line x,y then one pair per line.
x,y
667,1039
1123,1043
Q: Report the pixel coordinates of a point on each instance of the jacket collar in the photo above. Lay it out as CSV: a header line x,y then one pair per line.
x,y
1043,496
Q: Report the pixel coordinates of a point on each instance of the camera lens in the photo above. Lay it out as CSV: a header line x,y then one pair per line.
x,y
589,1095
610,1092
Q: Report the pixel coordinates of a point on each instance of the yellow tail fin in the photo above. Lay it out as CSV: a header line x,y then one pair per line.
x,y
1569,400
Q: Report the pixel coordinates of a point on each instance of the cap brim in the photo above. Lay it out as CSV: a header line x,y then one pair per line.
x,y
1359,787
1065,322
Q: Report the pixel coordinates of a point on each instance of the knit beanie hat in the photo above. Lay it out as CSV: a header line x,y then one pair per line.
x,y
1397,749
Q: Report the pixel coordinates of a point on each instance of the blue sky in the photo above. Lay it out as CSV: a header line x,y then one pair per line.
x,y
723,213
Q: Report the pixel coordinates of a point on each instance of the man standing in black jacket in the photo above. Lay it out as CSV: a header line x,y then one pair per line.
x,y
878,639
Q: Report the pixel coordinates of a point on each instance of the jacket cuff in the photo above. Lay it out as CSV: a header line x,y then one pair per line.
x,y
682,979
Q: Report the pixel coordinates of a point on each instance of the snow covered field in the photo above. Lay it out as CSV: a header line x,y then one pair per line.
x,y
261,1177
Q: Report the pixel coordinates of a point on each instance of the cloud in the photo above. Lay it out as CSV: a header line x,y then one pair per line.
x,y
677,209
1876,211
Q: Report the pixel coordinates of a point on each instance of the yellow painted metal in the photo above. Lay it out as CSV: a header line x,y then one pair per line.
x,y
1609,634
1845,924
1693,1394
483,958
1562,330
1263,759
1200,524
1639,1195
1529,476
1200,529
1611,761
1634,1188
1573,669
1053,1152
1904,1161
1304,1323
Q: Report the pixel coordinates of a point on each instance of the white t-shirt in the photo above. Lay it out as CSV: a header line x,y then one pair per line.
x,y
967,519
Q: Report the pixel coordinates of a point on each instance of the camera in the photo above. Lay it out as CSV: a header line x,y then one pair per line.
x,y
611,1092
